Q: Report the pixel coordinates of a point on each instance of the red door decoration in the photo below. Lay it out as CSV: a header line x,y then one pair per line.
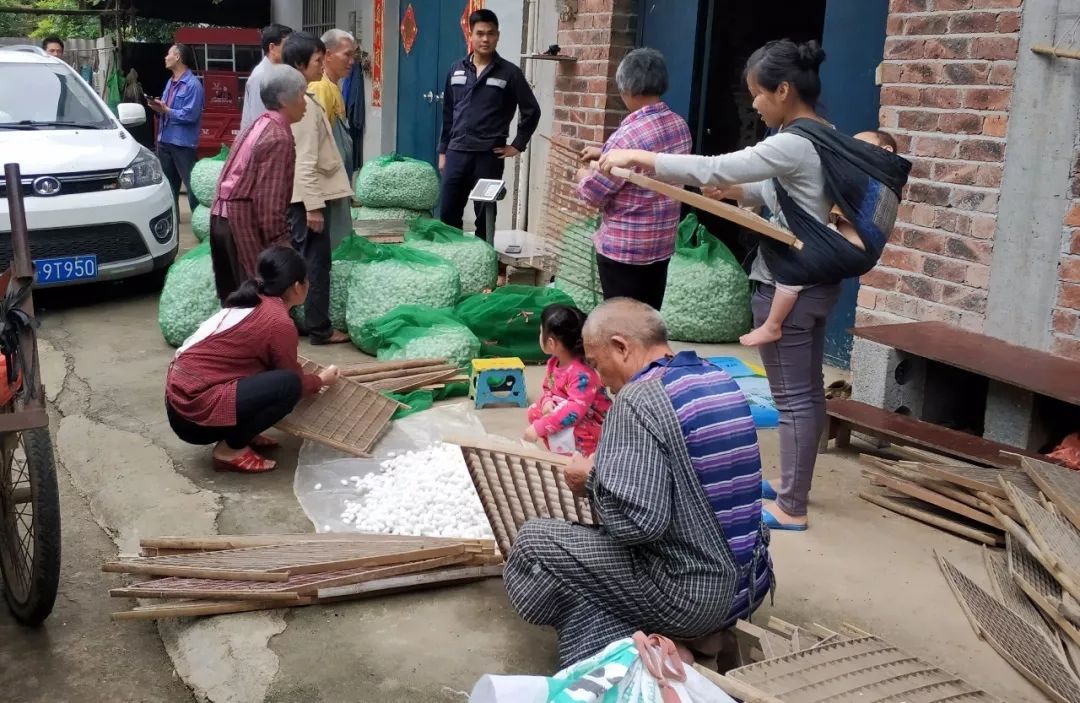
x,y
409,30
471,6
377,58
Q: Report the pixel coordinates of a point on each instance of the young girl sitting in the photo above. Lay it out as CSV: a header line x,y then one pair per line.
x,y
569,414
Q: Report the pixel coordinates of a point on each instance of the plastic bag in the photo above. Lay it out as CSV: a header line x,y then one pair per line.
x,y
614,675
189,296
577,275
205,176
398,181
708,294
416,332
394,276
323,475
507,320
477,261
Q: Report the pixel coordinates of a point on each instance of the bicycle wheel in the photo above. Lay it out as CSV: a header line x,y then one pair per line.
x,y
29,524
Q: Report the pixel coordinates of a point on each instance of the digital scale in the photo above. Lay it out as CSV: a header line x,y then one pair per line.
x,y
487,192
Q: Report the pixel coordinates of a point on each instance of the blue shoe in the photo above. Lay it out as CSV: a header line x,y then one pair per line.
x,y
767,492
774,524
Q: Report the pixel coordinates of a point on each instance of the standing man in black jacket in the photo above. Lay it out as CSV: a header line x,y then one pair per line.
x,y
483,91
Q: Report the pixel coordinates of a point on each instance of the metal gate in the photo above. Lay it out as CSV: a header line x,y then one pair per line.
x,y
319,16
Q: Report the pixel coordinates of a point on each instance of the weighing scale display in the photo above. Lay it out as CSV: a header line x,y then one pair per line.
x,y
488,190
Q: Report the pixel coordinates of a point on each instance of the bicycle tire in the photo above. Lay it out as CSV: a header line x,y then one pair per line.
x,y
32,603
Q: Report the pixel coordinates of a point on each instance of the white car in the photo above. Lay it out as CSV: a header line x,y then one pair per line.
x,y
97,204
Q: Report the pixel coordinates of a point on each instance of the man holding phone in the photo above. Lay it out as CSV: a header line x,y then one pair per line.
x,y
483,91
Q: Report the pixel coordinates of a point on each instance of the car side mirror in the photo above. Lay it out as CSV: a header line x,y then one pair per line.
x,y
131,114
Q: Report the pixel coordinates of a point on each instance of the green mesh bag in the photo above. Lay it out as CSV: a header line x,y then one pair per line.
x,y
368,214
477,261
507,320
200,222
398,181
205,176
189,296
352,250
707,298
394,275
417,332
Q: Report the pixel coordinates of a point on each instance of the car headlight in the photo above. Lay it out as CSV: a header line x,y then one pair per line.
x,y
145,170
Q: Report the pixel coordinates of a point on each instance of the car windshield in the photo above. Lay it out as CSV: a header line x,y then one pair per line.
x,y
47,96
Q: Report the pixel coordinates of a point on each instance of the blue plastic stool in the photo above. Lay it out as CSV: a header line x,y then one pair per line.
x,y
498,382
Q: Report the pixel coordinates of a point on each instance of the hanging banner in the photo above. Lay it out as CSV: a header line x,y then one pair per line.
x,y
377,56
471,6
409,29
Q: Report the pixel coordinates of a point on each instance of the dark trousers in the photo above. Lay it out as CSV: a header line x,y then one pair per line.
x,y
644,282
262,401
793,365
463,169
315,248
227,272
177,162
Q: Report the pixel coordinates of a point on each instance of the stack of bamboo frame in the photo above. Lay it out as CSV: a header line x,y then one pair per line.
x,y
403,376
231,574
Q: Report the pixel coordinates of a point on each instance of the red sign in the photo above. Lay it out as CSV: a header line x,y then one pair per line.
x,y
409,30
377,58
221,91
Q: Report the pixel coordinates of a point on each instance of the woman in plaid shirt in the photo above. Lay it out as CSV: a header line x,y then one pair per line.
x,y
636,239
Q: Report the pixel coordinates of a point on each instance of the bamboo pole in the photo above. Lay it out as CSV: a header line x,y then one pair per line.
x,y
1055,52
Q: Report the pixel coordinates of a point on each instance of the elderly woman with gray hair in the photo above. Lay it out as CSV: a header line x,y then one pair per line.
x,y
248,215
636,238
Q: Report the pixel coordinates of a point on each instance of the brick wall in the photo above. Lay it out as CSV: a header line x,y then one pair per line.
x,y
587,104
1067,311
946,86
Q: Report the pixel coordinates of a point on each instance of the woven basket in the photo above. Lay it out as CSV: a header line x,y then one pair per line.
x,y
516,485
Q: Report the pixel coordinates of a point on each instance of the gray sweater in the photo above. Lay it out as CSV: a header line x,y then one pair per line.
x,y
789,158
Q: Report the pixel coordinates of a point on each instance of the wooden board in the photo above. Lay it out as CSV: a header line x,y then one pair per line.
x,y
347,416
1061,485
1016,641
218,542
293,589
864,669
978,478
282,559
1036,371
908,430
914,510
927,495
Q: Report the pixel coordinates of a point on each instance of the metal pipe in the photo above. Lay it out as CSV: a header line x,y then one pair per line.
x,y
20,240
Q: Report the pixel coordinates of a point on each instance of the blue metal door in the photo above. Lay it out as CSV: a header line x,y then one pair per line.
x,y
671,27
854,42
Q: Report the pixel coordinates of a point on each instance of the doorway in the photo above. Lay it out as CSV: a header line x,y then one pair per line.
x,y
431,40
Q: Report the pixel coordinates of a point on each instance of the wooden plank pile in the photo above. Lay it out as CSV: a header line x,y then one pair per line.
x,y
404,376
230,574
785,663
960,497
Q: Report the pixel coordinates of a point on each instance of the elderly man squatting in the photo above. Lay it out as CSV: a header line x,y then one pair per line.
x,y
321,192
272,40
636,238
253,192
337,62
675,483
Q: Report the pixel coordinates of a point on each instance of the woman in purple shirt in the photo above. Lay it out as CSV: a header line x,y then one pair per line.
x,y
636,238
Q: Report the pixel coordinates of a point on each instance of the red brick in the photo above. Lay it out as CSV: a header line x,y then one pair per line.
x,y
945,219
1072,217
902,48
900,304
994,4
978,276
944,5
966,73
930,311
972,23
922,215
921,72
990,175
953,172
894,26
961,123
1070,269
941,97
1008,22
982,150
918,120
983,226
867,297
901,96
996,125
1003,74
900,258
949,48
1066,322
963,298
1067,347
1069,296
920,287
908,5
986,99
891,72
945,269
995,48
938,147
920,168
969,250
926,24
929,241
928,193
1074,245
881,279
974,200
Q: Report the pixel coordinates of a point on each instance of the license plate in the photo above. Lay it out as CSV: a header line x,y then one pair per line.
x,y
66,268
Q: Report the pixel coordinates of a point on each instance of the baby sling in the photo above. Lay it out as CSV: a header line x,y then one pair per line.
x,y
866,182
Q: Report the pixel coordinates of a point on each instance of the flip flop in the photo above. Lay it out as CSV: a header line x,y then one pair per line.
x,y
246,463
774,524
767,492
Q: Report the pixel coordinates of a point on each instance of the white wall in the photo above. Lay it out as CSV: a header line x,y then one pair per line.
x,y
287,12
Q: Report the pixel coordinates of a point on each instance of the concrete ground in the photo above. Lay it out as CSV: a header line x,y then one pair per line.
x,y
123,475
